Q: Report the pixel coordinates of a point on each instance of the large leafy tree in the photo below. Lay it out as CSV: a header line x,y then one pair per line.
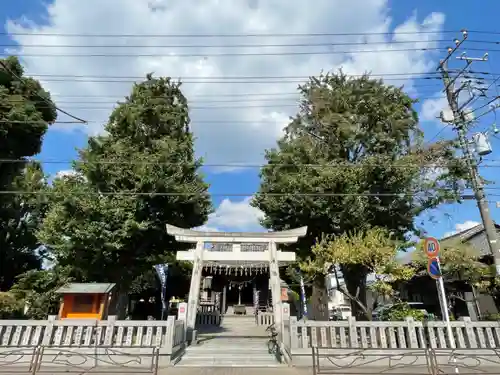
x,y
352,159
108,220
22,214
374,250
26,111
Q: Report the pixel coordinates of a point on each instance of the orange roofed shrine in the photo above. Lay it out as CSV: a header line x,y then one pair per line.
x,y
85,300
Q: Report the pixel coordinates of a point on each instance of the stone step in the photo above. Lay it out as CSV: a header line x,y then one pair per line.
x,y
229,359
238,317
227,352
226,362
219,348
230,340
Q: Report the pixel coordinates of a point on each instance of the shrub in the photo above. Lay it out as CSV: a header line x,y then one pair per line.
x,y
401,311
10,307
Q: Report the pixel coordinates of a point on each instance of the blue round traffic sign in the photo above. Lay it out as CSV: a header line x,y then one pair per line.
x,y
431,247
434,268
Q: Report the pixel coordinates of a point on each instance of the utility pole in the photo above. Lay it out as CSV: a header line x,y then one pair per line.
x,y
460,123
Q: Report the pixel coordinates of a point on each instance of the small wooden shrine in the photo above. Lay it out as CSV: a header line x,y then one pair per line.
x,y
85,300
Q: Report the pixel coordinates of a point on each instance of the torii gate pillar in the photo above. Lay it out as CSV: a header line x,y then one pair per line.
x,y
198,256
194,288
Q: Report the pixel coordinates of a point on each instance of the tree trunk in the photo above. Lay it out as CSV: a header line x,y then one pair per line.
x,y
355,281
119,303
319,300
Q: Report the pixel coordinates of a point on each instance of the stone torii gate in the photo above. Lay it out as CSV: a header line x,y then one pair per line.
x,y
237,257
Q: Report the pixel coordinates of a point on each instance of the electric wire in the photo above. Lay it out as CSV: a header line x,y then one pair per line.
x,y
264,100
229,54
52,105
333,165
258,45
242,35
216,194
235,54
411,75
208,81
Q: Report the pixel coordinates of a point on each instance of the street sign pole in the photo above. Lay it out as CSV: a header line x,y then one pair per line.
x,y
432,248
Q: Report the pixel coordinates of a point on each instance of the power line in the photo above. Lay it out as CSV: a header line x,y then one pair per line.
x,y
258,45
229,54
245,35
234,54
371,75
214,95
235,81
460,124
265,100
214,122
45,100
336,164
194,194
196,108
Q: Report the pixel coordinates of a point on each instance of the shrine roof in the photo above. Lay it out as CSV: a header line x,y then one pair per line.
x,y
86,288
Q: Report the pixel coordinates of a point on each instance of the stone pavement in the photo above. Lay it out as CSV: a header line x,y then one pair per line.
x,y
187,371
236,371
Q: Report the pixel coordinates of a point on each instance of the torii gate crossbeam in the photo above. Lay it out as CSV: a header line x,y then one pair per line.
x,y
199,255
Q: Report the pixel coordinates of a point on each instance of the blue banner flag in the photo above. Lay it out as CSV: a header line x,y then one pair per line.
x,y
162,272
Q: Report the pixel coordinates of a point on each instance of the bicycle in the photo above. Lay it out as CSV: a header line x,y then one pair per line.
x,y
272,344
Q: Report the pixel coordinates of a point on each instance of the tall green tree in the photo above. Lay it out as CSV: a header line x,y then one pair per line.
x,y
108,221
355,155
26,111
22,215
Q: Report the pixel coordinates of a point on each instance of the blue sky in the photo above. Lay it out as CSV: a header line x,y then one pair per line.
x,y
239,141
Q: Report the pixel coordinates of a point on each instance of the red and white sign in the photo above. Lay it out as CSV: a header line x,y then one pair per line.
x,y
181,314
431,247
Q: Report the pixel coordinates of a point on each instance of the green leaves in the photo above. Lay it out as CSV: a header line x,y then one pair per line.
x,y
25,112
97,224
359,254
359,139
460,261
20,217
356,155
37,289
28,106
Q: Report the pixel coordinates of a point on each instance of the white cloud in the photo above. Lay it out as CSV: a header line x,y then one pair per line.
x,y
227,141
235,216
431,108
66,173
462,227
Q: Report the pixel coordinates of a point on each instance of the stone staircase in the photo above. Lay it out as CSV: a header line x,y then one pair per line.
x,y
250,310
238,342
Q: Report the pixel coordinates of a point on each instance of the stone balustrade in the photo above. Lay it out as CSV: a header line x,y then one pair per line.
x,y
45,341
78,344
